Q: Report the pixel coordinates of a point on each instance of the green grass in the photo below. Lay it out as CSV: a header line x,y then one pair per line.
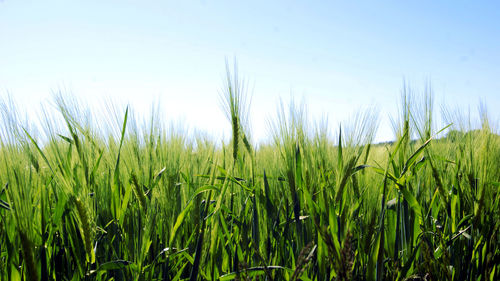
x,y
139,201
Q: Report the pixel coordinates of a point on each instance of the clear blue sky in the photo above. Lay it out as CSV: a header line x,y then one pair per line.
x,y
338,55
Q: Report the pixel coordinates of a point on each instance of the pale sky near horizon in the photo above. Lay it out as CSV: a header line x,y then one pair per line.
x,y
339,56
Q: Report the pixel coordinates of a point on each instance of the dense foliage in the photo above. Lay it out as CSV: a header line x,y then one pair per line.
x,y
147,203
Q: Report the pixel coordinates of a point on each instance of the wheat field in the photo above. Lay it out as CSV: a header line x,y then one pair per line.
x,y
80,200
